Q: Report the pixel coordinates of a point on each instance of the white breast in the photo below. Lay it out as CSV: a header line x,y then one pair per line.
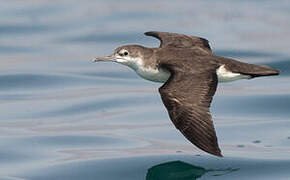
x,y
156,75
226,76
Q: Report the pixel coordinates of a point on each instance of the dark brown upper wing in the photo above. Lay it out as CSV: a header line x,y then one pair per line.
x,y
174,40
187,98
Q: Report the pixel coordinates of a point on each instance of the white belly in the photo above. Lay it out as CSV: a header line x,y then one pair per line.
x,y
227,76
156,75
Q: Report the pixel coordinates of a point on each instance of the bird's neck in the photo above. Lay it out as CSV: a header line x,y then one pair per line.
x,y
134,63
150,72
145,66
153,74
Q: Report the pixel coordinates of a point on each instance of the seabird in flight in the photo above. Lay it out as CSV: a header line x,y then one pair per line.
x,y
190,73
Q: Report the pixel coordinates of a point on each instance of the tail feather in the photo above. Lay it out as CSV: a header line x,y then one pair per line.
x,y
251,70
257,71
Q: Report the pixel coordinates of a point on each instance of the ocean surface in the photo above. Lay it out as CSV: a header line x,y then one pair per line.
x,y
63,117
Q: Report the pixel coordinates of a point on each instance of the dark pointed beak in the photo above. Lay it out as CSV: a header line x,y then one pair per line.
x,y
106,58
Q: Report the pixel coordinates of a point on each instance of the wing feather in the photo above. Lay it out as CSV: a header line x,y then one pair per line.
x,y
187,98
174,40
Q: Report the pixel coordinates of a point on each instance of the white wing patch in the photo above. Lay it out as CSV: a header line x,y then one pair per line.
x,y
227,76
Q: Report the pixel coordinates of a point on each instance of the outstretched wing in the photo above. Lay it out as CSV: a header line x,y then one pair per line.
x,y
187,97
174,40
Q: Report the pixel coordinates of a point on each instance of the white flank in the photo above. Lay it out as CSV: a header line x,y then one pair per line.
x,y
227,76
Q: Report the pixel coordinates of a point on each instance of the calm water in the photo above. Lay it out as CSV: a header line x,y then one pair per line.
x,y
64,117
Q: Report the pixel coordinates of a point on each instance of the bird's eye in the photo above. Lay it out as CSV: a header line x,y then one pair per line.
x,y
126,53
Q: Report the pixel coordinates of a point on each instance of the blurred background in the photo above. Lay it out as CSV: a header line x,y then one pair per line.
x,y
64,117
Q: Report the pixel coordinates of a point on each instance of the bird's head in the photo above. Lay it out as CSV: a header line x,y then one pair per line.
x,y
129,55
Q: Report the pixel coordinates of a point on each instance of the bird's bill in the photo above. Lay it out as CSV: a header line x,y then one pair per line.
x,y
106,58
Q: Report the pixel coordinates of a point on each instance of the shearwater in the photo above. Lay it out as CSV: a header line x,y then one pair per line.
x,y
190,73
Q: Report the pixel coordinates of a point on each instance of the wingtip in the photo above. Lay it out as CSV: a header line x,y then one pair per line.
x,y
148,33
152,33
217,153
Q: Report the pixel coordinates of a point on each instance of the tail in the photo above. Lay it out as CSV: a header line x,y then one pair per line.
x,y
251,70
257,71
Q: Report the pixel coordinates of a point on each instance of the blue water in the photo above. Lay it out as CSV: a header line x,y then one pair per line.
x,y
65,117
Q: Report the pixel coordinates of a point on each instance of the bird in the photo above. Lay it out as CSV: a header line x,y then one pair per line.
x,y
190,73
